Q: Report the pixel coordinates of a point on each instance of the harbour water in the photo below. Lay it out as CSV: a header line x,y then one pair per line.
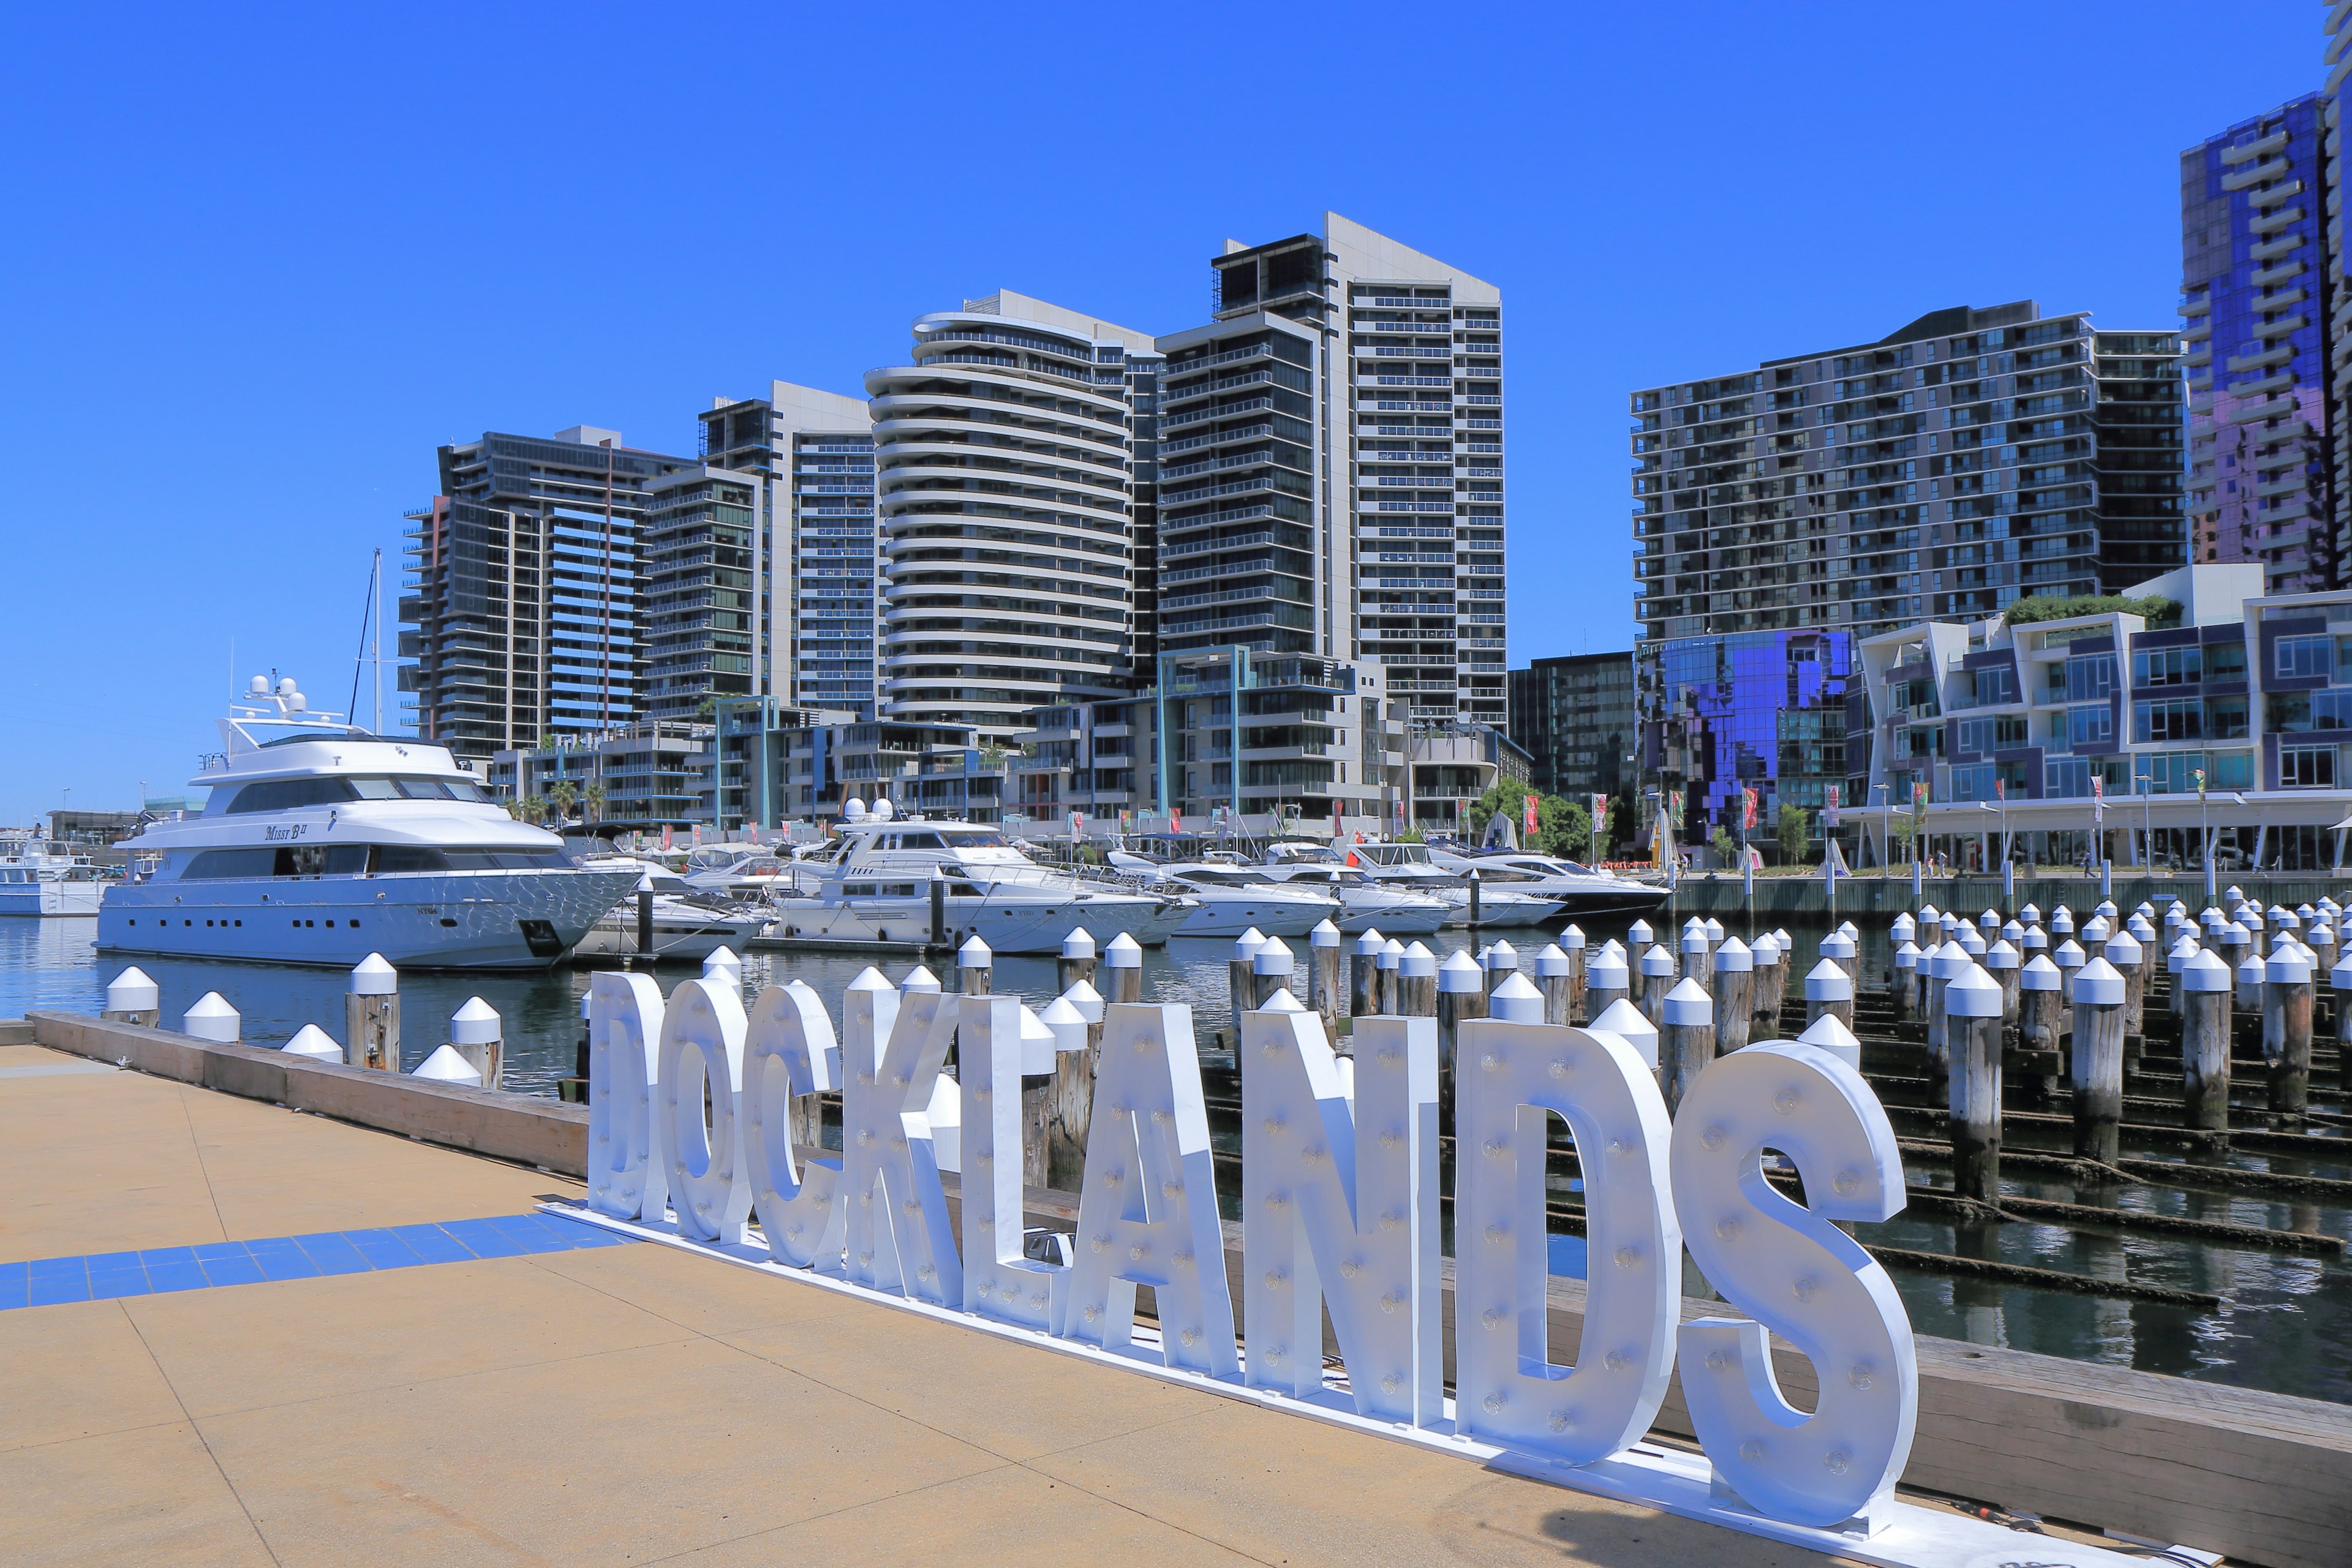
x,y
2284,1323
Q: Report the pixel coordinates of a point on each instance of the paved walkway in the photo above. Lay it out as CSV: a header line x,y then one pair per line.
x,y
612,1404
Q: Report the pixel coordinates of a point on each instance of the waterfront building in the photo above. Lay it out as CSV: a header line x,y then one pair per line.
x,y
817,556
1003,466
1331,467
770,765
648,774
1573,716
2335,300
521,616
705,559
2019,728
2252,199
1969,458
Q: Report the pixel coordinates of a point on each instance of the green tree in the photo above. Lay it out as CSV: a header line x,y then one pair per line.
x,y
593,798
559,796
518,809
1794,829
1503,794
1563,827
1726,847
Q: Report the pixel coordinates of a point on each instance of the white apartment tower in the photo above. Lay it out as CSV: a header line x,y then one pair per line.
x,y
1330,468
1006,494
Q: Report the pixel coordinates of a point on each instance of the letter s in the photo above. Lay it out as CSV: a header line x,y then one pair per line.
x,y
1799,1276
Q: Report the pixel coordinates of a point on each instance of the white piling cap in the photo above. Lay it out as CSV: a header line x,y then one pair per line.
x,y
2252,971
446,1066
1572,938
2288,966
1850,930
1693,926
1283,1001
1828,983
1714,929
2235,934
2013,934
1273,957
1989,920
1624,1020
314,1042
1324,934
2070,954
2063,912
1657,961
2124,951
2305,910
1638,934
2182,951
872,979
2234,894
1551,961
1614,945
1501,955
2097,984
475,1024
723,958
372,976
1245,945
1084,997
919,979
1837,945
1972,995
2141,927
2039,974
1906,956
2030,915
212,1019
2036,937
2340,977
1902,929
1607,971
1459,973
1417,963
974,954
1973,940
1781,934
2205,971
1080,943
1393,954
1688,1004
2146,911
132,992
1069,1024
1369,945
2096,930
1124,953
1828,1033
1516,1001
1734,957
1930,912
2106,909
1949,960
2287,919
2000,955
1766,951
1694,941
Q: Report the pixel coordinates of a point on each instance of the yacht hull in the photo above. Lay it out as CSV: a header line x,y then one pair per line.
x,y
1421,917
1021,927
1269,917
459,919
677,939
49,899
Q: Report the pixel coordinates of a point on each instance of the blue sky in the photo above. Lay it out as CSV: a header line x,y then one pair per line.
x,y
255,264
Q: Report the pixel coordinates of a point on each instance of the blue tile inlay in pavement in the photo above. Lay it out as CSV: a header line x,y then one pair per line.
x,y
103,1276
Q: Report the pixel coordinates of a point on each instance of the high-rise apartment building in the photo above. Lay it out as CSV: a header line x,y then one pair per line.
x,y
707,556
1331,467
2335,300
1574,718
1972,458
818,603
2253,202
523,604
1002,461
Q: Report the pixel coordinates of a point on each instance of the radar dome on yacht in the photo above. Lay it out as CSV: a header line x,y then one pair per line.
x,y
286,687
884,810
853,810
258,685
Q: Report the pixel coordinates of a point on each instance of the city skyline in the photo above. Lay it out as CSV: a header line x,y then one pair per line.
x,y
287,292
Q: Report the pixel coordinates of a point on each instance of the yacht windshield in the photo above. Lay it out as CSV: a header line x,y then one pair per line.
x,y
288,794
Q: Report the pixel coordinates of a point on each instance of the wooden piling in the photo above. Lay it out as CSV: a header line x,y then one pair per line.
x,y
1573,944
1764,984
1391,987
1323,975
1686,1039
1078,959
1696,965
2095,1065
1272,968
1827,992
1500,960
1556,984
1972,1007
976,968
1461,995
2129,959
2287,1029
1606,981
1417,983
2205,986
1124,959
1904,985
1657,978
1364,975
1939,965
1735,985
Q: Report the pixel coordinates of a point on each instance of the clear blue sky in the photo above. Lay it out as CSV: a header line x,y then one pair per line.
x,y
254,266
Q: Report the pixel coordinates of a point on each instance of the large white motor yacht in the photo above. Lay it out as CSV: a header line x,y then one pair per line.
x,y
1582,891
1235,898
690,923
1409,867
1365,904
36,882
872,884
321,844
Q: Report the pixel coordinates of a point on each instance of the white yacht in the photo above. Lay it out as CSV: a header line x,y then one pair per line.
x,y
1365,904
321,844
1582,891
690,923
1409,867
873,884
34,882
1233,899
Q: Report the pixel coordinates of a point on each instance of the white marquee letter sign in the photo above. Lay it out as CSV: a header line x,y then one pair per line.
x,y
899,1238
789,1052
1799,1277
1147,1207
702,1043
1507,1076
1340,1195
627,1172
998,1281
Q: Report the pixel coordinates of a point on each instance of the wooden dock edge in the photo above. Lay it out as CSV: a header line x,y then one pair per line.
x,y
2263,1478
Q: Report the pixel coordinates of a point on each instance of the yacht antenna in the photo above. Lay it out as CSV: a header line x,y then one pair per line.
x,y
367,611
376,582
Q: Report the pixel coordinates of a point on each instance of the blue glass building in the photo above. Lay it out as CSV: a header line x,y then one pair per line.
x,y
1762,711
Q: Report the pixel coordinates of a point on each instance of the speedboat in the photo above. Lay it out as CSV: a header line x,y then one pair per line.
x,y
872,884
34,882
1408,867
321,844
1365,904
690,923
1230,899
1582,890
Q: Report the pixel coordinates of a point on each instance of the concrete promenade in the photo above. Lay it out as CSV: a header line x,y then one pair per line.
x,y
599,1404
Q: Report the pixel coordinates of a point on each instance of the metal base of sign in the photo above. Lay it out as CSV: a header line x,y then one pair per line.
x,y
1670,1481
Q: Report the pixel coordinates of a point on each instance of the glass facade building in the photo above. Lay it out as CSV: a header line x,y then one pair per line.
x,y
1574,718
2252,200
1760,711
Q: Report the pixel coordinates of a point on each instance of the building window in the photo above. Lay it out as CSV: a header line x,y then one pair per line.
x,y
2168,667
2306,767
1996,686
2303,658
2090,676
2226,661
2170,719
2090,727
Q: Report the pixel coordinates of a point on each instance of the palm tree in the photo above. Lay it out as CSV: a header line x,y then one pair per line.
x,y
593,798
518,809
561,795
